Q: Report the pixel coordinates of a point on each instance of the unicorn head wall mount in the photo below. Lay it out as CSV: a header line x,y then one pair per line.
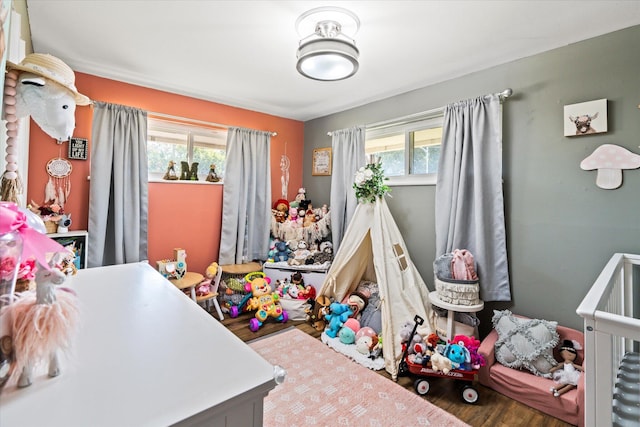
x,y
43,87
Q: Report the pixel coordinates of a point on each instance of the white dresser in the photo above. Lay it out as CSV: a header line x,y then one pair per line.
x,y
145,355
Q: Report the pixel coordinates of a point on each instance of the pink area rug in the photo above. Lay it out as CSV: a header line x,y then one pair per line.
x,y
325,388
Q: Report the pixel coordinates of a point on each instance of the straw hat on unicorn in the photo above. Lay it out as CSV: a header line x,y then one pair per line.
x,y
51,68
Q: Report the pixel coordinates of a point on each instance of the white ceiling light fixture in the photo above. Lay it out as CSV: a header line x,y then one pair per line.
x,y
327,50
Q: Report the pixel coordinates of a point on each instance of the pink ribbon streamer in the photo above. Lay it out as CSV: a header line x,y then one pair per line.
x,y
34,243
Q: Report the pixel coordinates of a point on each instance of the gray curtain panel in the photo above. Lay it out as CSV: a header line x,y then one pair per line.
x,y
469,199
118,198
348,156
246,206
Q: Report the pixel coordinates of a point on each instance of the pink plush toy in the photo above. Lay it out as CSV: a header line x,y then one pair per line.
x,y
203,288
293,214
352,324
472,344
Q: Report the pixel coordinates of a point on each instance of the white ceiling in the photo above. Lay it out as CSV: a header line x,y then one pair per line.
x,y
243,53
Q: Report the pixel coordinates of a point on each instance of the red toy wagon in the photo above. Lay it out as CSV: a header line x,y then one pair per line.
x,y
421,384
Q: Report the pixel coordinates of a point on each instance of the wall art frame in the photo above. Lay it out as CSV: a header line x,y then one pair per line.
x,y
585,118
321,162
77,148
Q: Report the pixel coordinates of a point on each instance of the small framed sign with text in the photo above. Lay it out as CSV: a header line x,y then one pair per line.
x,y
77,149
321,164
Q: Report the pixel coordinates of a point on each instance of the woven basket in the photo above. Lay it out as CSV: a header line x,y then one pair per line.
x,y
51,226
458,292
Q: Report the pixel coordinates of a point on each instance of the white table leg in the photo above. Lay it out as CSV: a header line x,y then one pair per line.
x,y
450,315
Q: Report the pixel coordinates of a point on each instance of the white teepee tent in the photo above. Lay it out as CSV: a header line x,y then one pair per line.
x,y
373,249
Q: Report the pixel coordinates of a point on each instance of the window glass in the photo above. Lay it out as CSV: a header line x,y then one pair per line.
x,y
390,150
181,142
426,150
210,150
409,152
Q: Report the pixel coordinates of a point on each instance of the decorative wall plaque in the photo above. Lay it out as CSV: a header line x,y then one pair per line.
x,y
78,149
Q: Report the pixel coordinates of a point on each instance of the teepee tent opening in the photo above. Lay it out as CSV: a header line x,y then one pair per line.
x,y
373,249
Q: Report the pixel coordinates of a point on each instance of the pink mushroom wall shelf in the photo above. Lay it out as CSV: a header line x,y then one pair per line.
x,y
610,160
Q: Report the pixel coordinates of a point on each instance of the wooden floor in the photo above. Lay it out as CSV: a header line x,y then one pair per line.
x,y
491,410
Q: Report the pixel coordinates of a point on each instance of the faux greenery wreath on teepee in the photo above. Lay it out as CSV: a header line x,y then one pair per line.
x,y
369,183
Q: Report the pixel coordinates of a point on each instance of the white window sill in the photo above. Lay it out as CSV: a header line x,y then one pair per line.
x,y
407,180
182,181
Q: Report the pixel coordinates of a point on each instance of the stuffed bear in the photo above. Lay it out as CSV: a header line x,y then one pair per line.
x,y
309,217
281,251
282,205
338,314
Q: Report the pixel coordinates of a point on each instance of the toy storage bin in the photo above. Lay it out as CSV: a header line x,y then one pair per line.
x,y
233,274
458,292
232,282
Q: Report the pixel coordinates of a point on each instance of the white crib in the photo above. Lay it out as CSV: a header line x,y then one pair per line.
x,y
611,338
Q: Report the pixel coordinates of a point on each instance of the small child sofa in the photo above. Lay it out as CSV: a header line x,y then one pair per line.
x,y
532,390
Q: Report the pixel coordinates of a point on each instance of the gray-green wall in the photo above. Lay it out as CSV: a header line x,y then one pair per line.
x,y
561,228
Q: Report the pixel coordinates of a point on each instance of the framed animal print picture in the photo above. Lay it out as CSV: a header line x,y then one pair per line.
x,y
585,118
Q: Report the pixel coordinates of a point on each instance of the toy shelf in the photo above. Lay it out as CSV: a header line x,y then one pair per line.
x,y
452,309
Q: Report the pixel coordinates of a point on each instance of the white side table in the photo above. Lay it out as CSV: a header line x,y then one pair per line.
x,y
452,309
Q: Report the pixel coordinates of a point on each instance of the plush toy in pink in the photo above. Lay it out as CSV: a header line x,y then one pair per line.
x,y
352,324
463,265
203,288
472,344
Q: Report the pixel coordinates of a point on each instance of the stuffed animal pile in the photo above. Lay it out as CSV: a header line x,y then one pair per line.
x,y
299,252
294,288
459,353
297,220
356,320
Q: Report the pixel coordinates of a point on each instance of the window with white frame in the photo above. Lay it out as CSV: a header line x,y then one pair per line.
x,y
409,152
169,141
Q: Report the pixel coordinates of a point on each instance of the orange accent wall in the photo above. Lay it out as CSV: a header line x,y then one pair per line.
x,y
181,215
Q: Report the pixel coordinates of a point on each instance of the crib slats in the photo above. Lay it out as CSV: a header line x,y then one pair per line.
x,y
626,393
612,336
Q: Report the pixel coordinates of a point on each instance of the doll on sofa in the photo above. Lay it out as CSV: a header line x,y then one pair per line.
x,y
567,373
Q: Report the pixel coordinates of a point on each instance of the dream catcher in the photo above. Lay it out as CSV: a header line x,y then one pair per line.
x,y
59,186
284,178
